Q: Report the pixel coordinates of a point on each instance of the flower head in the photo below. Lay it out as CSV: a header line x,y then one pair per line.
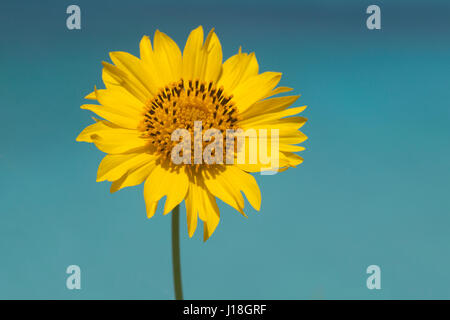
x,y
173,120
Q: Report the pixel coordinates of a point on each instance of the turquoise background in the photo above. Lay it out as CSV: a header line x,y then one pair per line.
x,y
373,189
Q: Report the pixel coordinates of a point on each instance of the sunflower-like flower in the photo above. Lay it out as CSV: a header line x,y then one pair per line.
x,y
147,99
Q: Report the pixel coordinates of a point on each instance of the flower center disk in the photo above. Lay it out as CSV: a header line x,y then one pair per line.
x,y
178,106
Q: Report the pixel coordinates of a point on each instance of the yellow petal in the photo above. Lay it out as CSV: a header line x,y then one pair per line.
x,y
145,47
209,208
290,148
91,96
254,89
125,80
192,208
119,141
277,91
167,58
150,206
95,128
202,61
192,59
201,203
120,118
134,68
238,69
286,159
261,120
114,166
166,182
153,72
111,138
212,65
109,80
246,183
218,183
292,137
133,177
269,106
119,99
199,193
292,159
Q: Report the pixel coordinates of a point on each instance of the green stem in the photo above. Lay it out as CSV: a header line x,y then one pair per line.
x,y
176,253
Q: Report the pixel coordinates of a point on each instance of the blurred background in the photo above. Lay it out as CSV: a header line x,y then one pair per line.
x,y
373,189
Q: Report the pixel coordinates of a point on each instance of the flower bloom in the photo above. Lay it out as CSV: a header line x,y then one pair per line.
x,y
147,99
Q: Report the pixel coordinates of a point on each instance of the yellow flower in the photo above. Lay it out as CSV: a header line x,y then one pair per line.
x,y
147,99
